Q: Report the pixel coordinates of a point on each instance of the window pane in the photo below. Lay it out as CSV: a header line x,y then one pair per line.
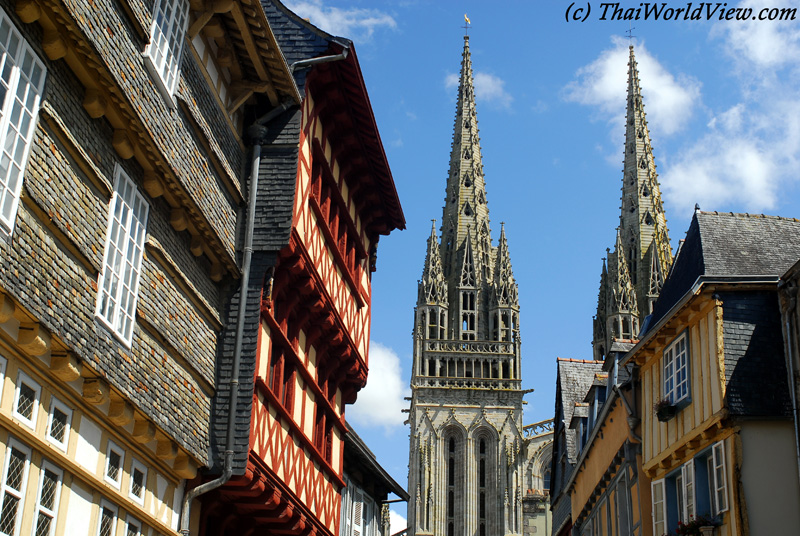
x,y
25,402
58,425
106,522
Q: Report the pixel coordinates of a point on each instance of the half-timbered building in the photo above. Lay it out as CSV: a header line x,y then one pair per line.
x,y
120,191
716,407
324,197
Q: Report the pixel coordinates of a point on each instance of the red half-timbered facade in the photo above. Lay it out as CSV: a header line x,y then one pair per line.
x,y
312,351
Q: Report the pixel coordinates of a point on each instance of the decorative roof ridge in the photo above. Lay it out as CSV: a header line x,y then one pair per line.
x,y
746,215
573,360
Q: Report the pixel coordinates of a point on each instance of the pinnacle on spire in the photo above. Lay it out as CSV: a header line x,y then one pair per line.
x,y
504,291
433,287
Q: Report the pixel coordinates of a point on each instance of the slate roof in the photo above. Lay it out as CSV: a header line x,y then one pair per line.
x,y
575,377
739,247
359,459
727,244
299,39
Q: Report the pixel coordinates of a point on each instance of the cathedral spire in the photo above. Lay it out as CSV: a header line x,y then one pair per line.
x,y
642,221
466,387
642,255
465,211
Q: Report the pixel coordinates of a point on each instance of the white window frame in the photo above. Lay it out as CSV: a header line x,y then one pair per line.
x,y
104,504
117,298
3,364
40,509
24,378
121,452
137,465
720,485
165,50
19,132
659,510
687,491
133,521
56,404
676,370
20,493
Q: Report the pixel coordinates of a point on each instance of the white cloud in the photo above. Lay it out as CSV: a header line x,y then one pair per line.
x,y
380,403
669,99
353,23
761,44
396,522
489,89
752,149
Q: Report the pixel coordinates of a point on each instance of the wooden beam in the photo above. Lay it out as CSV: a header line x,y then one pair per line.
x,y
252,51
7,308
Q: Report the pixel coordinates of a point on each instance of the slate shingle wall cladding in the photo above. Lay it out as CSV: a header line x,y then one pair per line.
x,y
755,369
112,36
272,228
562,510
221,410
142,11
39,272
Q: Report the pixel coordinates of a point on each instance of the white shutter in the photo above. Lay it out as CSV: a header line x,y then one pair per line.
x,y
347,503
659,508
720,478
687,472
358,513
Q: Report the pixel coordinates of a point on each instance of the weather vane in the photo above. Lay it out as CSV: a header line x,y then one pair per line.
x,y
629,31
467,22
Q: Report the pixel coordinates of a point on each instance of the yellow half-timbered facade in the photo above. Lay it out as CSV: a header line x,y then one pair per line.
x,y
716,411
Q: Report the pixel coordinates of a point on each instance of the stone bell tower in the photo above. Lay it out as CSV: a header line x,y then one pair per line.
x,y
466,459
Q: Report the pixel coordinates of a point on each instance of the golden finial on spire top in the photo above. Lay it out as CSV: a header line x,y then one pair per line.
x,y
467,22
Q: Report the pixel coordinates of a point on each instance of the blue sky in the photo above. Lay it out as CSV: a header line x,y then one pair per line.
x,y
723,106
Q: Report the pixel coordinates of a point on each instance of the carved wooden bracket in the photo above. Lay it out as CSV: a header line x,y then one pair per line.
x,y
95,103
166,449
96,391
122,144
120,412
33,338
185,467
66,367
144,431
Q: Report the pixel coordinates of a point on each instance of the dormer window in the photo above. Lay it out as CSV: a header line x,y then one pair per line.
x,y
166,43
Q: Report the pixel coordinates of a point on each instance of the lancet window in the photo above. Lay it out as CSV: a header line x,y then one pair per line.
x,y
436,322
482,487
468,314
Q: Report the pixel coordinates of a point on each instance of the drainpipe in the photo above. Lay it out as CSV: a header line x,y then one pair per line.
x,y
302,64
792,392
257,131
